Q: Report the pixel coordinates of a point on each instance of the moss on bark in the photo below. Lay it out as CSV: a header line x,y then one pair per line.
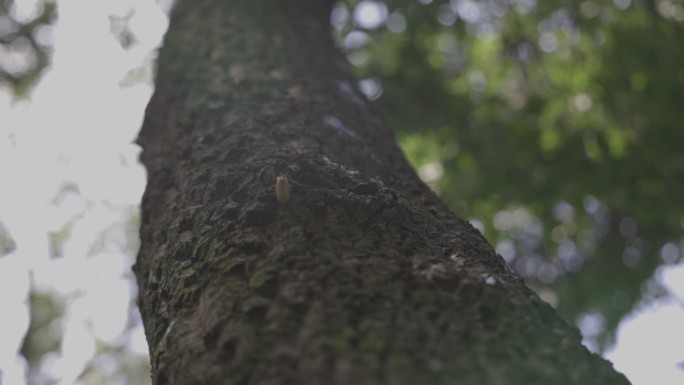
x,y
362,277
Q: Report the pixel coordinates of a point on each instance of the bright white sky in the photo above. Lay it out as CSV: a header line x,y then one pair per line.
x,y
78,128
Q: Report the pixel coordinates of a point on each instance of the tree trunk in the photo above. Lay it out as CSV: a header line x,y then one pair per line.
x,y
352,271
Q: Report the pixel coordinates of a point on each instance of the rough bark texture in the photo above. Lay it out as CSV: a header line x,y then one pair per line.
x,y
362,277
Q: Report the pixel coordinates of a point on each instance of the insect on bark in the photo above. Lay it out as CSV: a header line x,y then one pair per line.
x,y
283,189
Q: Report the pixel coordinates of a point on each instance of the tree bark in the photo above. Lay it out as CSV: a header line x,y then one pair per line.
x,y
359,274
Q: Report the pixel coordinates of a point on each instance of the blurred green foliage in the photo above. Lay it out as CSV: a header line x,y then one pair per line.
x,y
45,333
25,42
554,124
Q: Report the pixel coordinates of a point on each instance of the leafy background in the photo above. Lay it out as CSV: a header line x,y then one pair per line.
x,y
554,127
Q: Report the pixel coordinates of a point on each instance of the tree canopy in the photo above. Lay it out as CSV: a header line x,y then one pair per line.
x,y
553,125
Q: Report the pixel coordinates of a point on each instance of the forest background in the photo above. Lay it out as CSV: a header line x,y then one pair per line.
x,y
554,127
